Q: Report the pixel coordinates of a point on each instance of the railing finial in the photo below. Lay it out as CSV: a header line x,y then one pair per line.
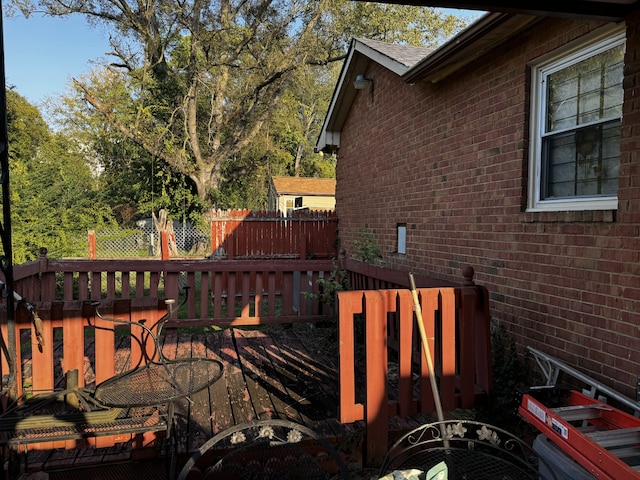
x,y
468,273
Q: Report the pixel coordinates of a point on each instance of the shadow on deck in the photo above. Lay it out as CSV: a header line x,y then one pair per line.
x,y
288,372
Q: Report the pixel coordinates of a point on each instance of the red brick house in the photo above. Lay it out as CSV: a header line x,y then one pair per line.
x,y
513,148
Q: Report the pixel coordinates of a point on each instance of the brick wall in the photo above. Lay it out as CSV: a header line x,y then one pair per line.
x,y
450,161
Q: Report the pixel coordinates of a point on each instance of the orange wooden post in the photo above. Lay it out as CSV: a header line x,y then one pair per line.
x,y
230,239
271,293
287,298
105,345
405,352
483,354
448,349
429,304
349,304
466,347
73,339
302,238
92,245
164,245
245,308
231,294
257,299
217,294
42,356
376,381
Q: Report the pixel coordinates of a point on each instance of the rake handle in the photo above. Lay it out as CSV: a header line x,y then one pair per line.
x,y
427,350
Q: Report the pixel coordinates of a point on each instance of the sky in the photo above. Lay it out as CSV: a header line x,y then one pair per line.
x,y
42,54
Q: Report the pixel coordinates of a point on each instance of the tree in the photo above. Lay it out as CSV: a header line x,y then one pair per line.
x,y
193,83
53,189
27,128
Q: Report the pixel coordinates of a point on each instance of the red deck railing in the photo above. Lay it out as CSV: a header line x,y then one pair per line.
x,y
457,326
220,293
244,292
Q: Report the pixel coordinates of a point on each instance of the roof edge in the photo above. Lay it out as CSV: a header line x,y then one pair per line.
x,y
356,62
468,45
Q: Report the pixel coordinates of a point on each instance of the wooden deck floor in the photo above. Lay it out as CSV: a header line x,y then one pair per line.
x,y
269,372
289,373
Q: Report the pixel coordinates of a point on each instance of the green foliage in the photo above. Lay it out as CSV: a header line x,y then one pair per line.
x,y
366,249
54,197
328,288
131,180
27,129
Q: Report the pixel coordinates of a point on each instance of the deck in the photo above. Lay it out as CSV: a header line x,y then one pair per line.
x,y
281,371
277,362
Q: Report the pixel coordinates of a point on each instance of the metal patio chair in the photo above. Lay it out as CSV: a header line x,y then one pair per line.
x,y
266,450
463,449
157,380
138,400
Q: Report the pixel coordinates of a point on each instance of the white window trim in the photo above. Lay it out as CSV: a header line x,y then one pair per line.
x,y
602,39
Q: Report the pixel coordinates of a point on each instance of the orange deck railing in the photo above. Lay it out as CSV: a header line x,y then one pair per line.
x,y
457,326
220,293
244,292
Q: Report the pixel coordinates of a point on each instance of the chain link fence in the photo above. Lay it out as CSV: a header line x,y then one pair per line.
x,y
144,241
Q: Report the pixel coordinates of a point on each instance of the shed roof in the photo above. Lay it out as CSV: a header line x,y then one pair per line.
x,y
304,186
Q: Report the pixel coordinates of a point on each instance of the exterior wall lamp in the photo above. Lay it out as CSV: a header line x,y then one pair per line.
x,y
363,82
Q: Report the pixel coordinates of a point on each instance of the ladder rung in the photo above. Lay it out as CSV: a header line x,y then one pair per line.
x,y
579,412
626,452
617,437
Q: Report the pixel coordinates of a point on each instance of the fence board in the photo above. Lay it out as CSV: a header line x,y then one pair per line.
x,y
248,234
376,307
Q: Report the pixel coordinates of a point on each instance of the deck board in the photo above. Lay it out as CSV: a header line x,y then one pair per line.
x,y
221,412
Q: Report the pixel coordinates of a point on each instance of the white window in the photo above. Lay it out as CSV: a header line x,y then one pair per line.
x,y
576,127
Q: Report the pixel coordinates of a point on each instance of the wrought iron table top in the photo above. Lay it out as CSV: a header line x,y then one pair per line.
x,y
159,383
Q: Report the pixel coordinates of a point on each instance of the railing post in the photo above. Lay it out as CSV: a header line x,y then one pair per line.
x,y
164,245
376,413
481,332
92,244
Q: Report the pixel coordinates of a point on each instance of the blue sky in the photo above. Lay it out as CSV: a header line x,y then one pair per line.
x,y
41,54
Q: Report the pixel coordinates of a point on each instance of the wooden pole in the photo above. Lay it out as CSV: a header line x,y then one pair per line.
x,y
427,352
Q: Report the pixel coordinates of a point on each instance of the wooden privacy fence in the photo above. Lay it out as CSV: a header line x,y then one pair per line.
x,y
457,326
255,234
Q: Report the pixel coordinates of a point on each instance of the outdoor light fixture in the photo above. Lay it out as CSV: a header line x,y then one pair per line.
x,y
363,82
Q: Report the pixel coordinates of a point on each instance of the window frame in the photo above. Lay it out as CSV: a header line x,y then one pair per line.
x,y
593,44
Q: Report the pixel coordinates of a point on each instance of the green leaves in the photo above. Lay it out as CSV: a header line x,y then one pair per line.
x,y
54,192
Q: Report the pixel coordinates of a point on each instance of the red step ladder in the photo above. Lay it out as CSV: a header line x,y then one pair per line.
x,y
601,438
